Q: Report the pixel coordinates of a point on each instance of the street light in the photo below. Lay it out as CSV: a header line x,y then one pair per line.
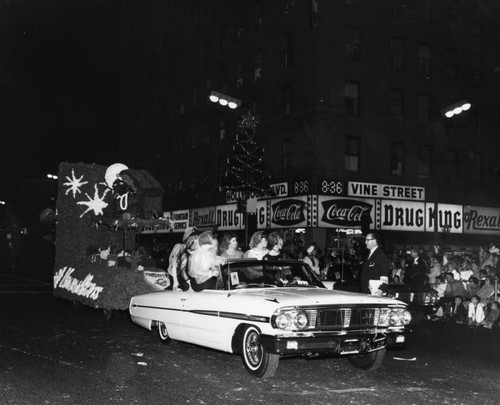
x,y
52,176
456,108
224,100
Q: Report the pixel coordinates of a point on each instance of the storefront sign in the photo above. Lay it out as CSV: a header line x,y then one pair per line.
x,y
449,218
227,219
202,217
179,219
280,189
396,192
332,187
402,215
283,213
235,196
484,220
343,212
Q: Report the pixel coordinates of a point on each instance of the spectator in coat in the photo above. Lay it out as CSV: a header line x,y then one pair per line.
x,y
476,312
416,275
493,316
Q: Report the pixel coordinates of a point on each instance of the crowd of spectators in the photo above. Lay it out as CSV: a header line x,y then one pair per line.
x,y
467,283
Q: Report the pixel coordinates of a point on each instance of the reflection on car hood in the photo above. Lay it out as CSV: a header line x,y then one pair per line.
x,y
313,296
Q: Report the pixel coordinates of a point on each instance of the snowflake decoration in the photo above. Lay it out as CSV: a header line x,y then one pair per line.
x,y
74,184
97,204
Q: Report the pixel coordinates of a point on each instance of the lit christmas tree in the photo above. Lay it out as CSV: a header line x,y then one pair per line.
x,y
245,171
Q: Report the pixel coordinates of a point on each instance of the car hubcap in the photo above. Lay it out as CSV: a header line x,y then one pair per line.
x,y
253,349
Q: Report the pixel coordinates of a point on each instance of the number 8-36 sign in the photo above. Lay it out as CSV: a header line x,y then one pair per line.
x,y
332,187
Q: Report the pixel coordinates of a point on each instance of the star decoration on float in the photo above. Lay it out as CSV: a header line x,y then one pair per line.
x,y
96,204
74,184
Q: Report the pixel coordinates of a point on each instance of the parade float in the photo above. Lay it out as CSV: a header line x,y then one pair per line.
x,y
100,210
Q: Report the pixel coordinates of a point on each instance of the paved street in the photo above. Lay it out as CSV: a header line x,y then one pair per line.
x,y
53,352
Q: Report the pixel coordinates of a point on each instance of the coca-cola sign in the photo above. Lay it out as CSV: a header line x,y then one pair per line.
x,y
288,212
344,212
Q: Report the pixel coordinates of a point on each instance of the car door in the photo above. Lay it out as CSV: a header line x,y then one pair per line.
x,y
201,323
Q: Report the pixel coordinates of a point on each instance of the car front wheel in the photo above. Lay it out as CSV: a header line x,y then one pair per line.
x,y
163,333
369,361
257,361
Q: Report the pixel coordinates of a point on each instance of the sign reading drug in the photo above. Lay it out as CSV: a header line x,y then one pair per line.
x,y
227,219
420,216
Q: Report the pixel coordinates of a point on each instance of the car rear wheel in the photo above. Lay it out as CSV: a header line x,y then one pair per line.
x,y
369,361
257,361
163,333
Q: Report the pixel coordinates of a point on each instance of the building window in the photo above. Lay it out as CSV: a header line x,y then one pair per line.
x,y
259,23
289,56
239,74
424,108
351,94
258,66
222,130
476,167
239,34
286,154
289,6
424,60
450,164
221,169
287,100
351,162
397,51
396,105
397,157
424,161
450,68
352,44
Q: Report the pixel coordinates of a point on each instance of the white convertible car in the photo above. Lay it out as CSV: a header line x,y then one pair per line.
x,y
265,310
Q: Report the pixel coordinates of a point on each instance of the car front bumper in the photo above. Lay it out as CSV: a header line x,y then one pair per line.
x,y
325,343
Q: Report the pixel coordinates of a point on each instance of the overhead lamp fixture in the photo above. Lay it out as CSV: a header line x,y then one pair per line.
x,y
224,100
455,109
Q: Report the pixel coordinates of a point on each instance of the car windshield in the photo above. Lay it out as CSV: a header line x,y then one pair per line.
x,y
263,274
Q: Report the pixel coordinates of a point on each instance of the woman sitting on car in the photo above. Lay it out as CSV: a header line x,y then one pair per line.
x,y
204,264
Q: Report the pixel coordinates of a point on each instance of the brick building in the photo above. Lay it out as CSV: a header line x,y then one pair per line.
x,y
346,93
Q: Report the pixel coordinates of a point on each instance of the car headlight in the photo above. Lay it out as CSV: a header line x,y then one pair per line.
x,y
282,321
290,319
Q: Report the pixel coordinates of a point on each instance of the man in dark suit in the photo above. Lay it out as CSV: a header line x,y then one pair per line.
x,y
416,274
375,271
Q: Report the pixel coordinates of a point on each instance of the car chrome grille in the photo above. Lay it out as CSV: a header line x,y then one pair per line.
x,y
347,318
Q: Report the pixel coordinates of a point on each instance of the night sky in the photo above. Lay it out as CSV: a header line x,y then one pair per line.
x,y
60,78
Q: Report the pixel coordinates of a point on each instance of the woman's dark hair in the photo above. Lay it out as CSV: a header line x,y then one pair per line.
x,y
226,239
274,238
